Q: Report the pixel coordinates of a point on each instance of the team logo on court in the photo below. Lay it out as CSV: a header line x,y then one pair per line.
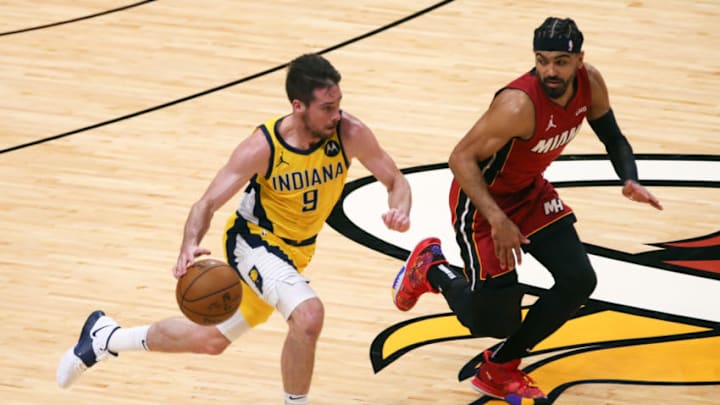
x,y
653,320
332,148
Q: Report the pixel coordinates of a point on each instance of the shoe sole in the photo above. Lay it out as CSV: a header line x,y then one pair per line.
x,y
510,397
400,277
484,392
69,364
397,283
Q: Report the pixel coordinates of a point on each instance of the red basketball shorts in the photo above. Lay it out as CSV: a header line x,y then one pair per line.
x,y
531,209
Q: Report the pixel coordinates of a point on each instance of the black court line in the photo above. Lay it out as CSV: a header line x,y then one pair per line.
x,y
87,17
226,85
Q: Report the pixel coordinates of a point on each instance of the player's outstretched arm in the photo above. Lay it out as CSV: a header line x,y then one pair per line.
x,y
602,120
250,157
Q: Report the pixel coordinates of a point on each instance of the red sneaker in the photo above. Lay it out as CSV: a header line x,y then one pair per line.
x,y
411,282
502,379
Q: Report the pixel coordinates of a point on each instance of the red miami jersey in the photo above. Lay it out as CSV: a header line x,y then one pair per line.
x,y
514,175
518,164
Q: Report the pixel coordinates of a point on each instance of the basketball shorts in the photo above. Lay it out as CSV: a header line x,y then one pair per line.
x,y
532,210
270,270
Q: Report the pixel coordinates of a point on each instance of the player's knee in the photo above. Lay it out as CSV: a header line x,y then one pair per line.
x,y
216,346
306,321
211,341
580,284
494,311
589,282
585,282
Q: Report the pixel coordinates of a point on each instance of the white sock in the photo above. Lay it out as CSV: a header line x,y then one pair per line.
x,y
292,399
129,339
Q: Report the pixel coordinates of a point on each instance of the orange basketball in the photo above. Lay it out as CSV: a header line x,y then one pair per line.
x,y
209,293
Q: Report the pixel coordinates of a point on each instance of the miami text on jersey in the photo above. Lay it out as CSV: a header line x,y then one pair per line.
x,y
550,144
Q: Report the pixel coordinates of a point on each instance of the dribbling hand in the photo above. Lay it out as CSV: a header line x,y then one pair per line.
x,y
187,256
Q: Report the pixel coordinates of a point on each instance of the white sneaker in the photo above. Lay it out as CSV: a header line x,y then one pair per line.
x,y
90,348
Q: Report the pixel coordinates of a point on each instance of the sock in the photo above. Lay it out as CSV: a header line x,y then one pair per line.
x,y
292,399
441,276
129,339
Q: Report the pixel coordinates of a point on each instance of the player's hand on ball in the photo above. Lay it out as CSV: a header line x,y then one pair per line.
x,y
397,220
187,256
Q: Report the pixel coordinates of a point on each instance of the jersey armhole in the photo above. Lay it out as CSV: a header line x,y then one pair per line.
x,y
339,136
268,137
535,110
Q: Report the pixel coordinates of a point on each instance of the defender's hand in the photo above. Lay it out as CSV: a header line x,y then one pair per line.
x,y
507,239
636,192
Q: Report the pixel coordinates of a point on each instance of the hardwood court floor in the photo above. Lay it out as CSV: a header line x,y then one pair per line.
x,y
93,219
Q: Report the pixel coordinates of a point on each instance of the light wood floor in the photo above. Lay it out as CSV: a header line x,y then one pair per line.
x,y
93,219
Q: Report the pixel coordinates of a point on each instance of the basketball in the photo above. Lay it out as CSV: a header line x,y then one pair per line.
x,y
209,293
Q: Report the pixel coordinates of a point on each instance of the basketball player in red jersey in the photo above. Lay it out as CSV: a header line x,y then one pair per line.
x,y
501,205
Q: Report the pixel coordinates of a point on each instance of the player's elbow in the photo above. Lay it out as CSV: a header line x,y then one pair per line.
x,y
458,159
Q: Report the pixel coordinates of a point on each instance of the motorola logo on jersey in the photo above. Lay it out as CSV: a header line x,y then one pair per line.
x,y
332,148
653,319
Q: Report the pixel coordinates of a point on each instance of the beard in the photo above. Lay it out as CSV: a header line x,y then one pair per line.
x,y
319,133
559,90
